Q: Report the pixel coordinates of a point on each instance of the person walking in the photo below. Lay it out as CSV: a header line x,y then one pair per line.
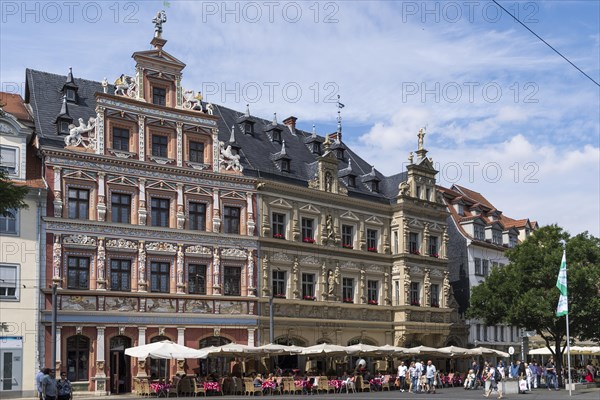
x,y
49,389
414,377
430,373
65,390
419,369
551,374
402,369
485,377
38,381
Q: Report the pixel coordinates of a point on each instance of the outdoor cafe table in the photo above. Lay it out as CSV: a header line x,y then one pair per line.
x,y
160,388
214,386
336,383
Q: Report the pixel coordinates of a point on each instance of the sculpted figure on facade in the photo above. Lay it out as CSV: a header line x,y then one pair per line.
x,y
407,284
229,160
56,257
427,286
329,227
180,261
446,287
76,131
142,266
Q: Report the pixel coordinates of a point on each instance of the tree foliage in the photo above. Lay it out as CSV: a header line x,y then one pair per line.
x,y
11,195
524,292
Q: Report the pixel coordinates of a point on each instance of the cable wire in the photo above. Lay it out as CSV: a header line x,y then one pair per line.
x,y
546,43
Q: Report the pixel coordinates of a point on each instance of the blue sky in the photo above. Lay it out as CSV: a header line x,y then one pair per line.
x,y
505,115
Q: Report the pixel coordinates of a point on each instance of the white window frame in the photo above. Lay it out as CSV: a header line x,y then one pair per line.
x,y
17,223
17,161
17,278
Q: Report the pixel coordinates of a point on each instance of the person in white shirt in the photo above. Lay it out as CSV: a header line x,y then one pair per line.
x,y
419,369
430,375
402,375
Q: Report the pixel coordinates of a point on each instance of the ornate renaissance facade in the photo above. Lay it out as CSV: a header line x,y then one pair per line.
x,y
150,226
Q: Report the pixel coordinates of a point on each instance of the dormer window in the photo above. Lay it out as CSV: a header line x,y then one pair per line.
x,y
285,165
159,96
512,241
479,232
340,153
497,237
70,93
351,181
460,209
276,136
63,126
316,148
374,186
249,128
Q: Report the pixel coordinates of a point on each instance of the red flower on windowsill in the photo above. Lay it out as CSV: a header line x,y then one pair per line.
x,y
308,240
436,255
372,249
279,236
308,297
373,302
279,296
417,252
415,303
348,300
435,304
347,246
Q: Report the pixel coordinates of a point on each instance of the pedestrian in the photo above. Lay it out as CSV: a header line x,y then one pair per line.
x,y
65,390
485,372
401,375
414,377
551,374
430,374
501,375
419,369
38,381
49,389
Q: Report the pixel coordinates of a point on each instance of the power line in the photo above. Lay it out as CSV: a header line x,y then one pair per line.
x,y
546,43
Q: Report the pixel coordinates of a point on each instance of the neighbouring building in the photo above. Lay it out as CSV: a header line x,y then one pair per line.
x,y
480,235
20,241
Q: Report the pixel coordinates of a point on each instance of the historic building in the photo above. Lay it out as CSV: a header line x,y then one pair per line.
x,y
150,228
480,235
20,238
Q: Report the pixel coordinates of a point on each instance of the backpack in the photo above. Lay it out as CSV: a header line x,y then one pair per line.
x,y
497,375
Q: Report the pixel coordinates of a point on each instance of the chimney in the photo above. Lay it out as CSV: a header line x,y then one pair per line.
x,y
290,122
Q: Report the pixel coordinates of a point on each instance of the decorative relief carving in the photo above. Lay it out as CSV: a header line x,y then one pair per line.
x,y
161,246
310,260
160,305
121,304
79,303
199,306
233,253
415,270
282,257
199,250
121,244
80,240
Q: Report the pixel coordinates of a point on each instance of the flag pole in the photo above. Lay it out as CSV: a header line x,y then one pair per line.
x,y
568,336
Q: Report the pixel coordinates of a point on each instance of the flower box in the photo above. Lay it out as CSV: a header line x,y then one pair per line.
x,y
347,246
372,249
308,297
435,304
279,296
278,236
373,302
417,252
308,240
436,255
415,303
348,300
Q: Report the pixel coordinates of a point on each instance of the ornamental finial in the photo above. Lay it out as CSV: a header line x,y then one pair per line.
x,y
161,18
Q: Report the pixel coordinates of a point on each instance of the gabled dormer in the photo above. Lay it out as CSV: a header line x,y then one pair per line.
x,y
273,130
459,206
282,160
372,181
348,175
493,233
70,88
246,122
313,142
63,119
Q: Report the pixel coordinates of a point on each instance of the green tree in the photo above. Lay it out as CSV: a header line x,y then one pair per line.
x,y
524,292
11,195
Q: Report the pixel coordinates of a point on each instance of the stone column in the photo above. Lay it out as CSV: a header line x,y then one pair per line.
x,y
295,224
179,130
139,80
296,279
386,289
141,363
216,153
142,284
99,130
142,212
407,285
251,337
100,265
251,225
58,349
57,260
444,244
100,378
405,233
58,203
180,213
180,269
101,214
250,268
142,137
425,241
216,211
266,290
363,287
181,341
362,240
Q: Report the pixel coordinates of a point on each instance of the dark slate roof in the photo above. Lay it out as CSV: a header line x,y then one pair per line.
x,y
44,95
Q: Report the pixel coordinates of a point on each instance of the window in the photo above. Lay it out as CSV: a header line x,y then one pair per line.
x,y
231,220
196,152
120,139
496,333
249,128
502,334
512,333
316,148
418,192
8,160
232,281
415,297
478,331
372,292
279,284
348,290
160,146
347,236
433,246
78,356
159,96
485,333
78,270
9,222
308,231
78,203
351,181
485,267
460,209
159,367
413,243
497,237
160,212
512,241
340,154
397,292
285,165
278,225
197,219
159,277
479,232
63,127
372,240
395,242
120,275
8,282
435,295
196,279
428,194
308,286
374,186
276,136
70,94
120,207
477,266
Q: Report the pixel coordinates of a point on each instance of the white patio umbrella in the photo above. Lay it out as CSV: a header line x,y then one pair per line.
x,y
274,349
542,351
364,350
593,350
432,351
456,351
230,349
324,349
165,350
396,350
484,351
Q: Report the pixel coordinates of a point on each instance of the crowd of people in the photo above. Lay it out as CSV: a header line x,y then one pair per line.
x,y
49,388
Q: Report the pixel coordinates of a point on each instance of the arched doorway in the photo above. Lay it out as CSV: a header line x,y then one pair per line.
x,y
212,365
159,368
120,365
